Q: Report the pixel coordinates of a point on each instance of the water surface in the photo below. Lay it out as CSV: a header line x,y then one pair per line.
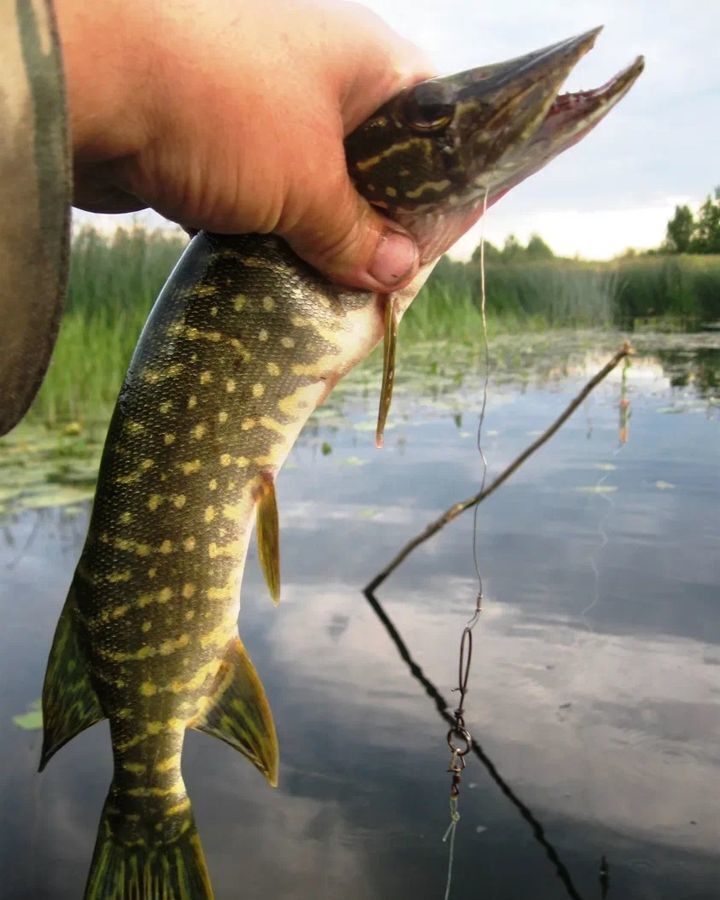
x,y
595,682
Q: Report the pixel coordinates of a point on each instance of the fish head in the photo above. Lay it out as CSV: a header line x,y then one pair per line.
x,y
442,151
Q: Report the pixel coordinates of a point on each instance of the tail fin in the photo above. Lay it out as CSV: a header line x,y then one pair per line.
x,y
132,863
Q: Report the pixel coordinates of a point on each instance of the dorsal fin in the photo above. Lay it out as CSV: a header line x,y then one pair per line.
x,y
239,714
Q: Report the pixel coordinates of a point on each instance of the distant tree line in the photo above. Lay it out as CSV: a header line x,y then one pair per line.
x,y
688,233
514,252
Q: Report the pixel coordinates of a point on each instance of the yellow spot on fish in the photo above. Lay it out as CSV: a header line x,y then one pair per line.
x,y
247,424
230,385
233,511
213,311
152,572
183,805
166,547
115,577
239,302
242,462
189,543
168,764
231,549
165,406
153,727
258,390
134,427
146,626
263,335
391,192
132,546
205,377
273,369
189,615
168,439
225,459
168,647
147,464
287,342
199,430
154,500
189,468
125,518
268,304
273,425
209,513
148,689
179,500
119,611
164,594
212,484
222,417
135,768
188,590
191,401
220,593
152,376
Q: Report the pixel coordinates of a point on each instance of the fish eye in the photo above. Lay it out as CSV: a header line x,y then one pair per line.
x,y
428,107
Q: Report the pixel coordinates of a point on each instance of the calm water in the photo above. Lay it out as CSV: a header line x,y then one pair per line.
x,y
595,684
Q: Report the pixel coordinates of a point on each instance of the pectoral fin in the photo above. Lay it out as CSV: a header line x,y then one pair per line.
x,y
240,714
388,376
69,702
268,537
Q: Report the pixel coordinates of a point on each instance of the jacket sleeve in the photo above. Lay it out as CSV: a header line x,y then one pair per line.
x,y
35,195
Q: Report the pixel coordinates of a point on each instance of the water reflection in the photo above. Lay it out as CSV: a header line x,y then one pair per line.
x,y
594,692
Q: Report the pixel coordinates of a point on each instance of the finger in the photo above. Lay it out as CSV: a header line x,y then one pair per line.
x,y
347,240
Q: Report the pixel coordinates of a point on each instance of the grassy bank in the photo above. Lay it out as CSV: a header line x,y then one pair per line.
x,y
114,281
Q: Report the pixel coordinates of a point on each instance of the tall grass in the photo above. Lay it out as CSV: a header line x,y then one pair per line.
x,y
681,287
114,281
112,286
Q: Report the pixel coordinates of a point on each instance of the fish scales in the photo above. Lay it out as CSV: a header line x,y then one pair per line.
x,y
244,342
224,378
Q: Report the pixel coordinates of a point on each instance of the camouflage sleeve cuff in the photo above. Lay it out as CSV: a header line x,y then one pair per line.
x,y
35,196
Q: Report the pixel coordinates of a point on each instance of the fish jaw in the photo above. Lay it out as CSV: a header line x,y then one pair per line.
x,y
484,131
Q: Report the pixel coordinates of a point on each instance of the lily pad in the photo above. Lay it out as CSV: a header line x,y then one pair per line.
x,y
30,720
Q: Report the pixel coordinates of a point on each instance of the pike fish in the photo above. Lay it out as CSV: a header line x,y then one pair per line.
x,y
243,343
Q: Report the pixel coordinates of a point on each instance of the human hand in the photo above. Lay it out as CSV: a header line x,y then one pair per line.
x,y
230,116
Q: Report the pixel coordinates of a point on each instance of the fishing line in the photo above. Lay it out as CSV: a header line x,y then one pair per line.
x,y
459,739
602,489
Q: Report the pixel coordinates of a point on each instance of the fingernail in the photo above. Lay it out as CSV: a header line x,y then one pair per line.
x,y
395,257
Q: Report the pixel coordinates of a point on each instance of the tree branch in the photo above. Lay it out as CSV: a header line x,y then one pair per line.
x,y
456,509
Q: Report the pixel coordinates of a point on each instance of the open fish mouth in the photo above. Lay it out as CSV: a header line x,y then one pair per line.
x,y
570,117
440,152
441,144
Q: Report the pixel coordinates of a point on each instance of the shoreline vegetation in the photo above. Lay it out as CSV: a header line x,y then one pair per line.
x,y
114,280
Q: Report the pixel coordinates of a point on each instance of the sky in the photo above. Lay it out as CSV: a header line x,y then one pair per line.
x,y
660,147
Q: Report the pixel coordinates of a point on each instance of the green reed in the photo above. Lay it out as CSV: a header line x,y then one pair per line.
x,y
113,283
115,279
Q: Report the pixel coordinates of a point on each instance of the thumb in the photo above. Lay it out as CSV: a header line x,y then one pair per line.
x,y
346,239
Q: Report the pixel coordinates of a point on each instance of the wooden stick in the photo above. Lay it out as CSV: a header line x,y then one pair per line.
x,y
456,509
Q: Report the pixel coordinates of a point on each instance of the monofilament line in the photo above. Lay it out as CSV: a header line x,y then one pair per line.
x,y
457,762
483,407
